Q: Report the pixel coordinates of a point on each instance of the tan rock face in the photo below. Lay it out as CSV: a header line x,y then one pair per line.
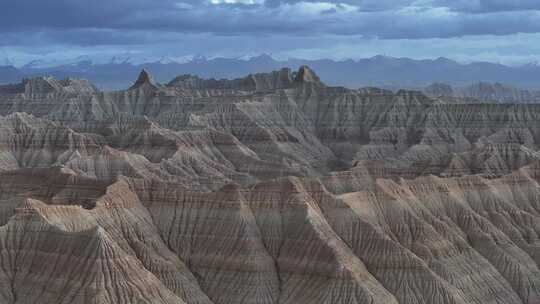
x,y
273,188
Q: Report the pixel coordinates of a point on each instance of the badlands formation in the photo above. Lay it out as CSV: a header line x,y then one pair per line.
x,y
273,188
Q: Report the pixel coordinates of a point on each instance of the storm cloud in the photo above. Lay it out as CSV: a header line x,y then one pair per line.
x,y
149,25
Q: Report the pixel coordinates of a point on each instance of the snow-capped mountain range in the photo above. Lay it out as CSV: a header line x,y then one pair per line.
x,y
119,70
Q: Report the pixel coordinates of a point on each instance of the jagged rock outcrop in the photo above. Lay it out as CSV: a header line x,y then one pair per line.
x,y
305,75
485,92
145,80
257,82
49,85
273,188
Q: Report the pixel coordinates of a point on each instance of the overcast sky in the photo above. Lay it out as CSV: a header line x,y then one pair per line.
x,y
506,31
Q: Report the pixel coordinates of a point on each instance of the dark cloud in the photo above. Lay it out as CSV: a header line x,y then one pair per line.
x,y
362,5
487,6
149,23
382,18
22,14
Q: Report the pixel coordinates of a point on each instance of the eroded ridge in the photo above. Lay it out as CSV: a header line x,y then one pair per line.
x,y
273,188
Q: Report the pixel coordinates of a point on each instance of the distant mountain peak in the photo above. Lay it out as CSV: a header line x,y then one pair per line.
x,y
120,60
381,57
445,60
199,58
255,57
534,64
263,57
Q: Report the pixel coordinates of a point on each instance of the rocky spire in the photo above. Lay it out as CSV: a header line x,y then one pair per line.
x,y
306,74
145,79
